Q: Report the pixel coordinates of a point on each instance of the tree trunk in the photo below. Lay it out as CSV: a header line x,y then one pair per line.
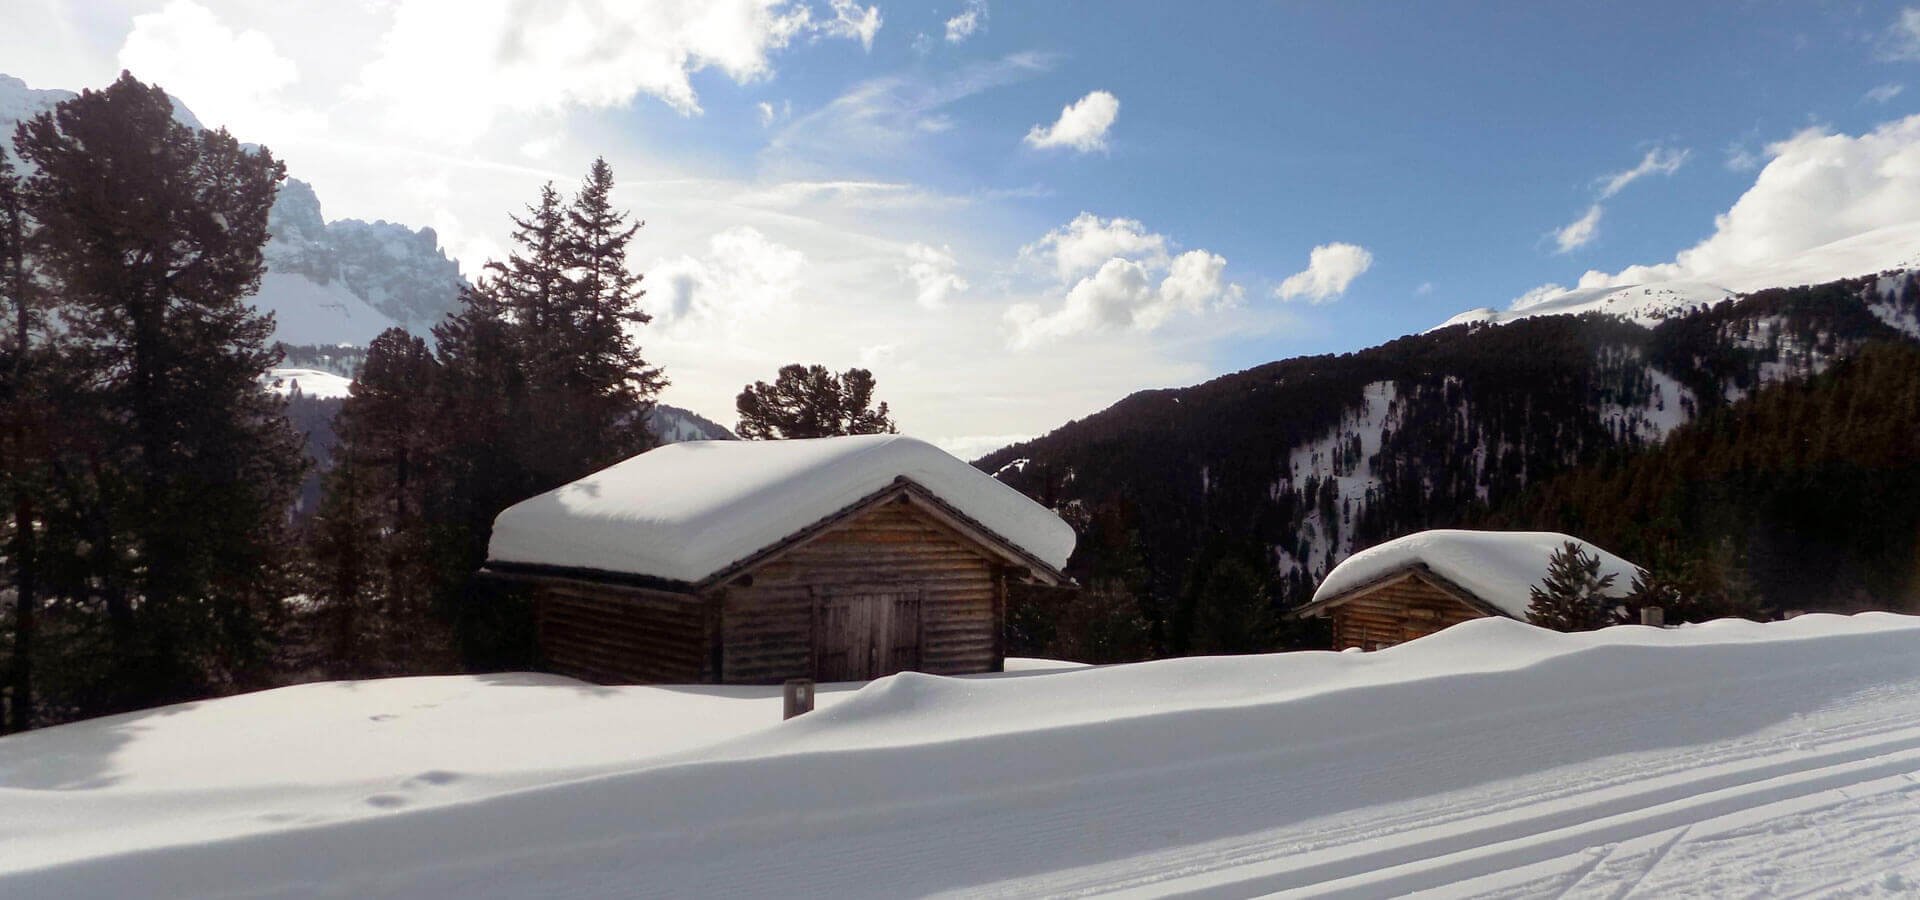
x,y
26,601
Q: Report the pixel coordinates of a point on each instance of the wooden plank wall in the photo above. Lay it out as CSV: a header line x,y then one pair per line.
x,y
1396,612
767,627
618,635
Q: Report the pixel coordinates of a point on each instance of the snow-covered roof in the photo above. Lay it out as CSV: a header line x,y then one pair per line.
x,y
686,511
1499,567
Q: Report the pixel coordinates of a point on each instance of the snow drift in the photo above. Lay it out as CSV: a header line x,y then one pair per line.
x,y
1494,757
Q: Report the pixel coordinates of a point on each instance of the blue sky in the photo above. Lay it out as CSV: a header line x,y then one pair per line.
x,y
842,183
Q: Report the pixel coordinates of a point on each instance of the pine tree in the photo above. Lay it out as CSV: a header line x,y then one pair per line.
x,y
151,239
370,536
17,453
1573,596
810,401
540,382
1231,611
614,383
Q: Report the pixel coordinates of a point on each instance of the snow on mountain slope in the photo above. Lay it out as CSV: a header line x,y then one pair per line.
x,y
672,425
1345,456
1493,759
1880,250
399,273
19,102
327,282
309,382
308,312
1646,304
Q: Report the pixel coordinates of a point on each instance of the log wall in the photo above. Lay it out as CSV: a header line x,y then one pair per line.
x,y
1395,612
767,628
622,635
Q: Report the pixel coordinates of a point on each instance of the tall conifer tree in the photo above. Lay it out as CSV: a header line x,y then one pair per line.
x,y
151,238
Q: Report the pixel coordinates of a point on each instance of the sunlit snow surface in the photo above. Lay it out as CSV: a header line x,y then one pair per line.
x,y
309,382
1493,759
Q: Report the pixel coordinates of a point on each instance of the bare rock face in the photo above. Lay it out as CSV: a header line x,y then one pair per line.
x,y
400,272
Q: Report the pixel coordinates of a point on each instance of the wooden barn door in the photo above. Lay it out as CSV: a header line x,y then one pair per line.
x,y
863,633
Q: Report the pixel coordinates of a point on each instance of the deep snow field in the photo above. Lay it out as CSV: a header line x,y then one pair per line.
x,y
1493,759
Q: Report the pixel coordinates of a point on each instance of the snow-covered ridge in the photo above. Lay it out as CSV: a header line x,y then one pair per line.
x,y
1887,249
1647,304
1491,759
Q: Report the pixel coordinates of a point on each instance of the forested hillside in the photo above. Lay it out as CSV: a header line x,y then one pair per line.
x,y
1283,470
1809,492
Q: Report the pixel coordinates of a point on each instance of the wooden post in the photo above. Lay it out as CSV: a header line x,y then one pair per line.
x,y
799,697
1654,616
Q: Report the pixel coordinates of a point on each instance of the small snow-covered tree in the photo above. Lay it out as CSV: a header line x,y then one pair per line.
x,y
1573,596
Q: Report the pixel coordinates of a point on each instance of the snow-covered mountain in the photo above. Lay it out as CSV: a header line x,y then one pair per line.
x,y
671,425
335,282
343,282
1317,457
1895,247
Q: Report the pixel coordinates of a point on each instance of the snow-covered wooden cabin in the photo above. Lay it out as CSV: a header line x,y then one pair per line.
x,y
1415,585
745,562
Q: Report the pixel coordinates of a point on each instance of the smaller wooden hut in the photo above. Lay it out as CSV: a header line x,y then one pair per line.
x,y
1416,585
751,562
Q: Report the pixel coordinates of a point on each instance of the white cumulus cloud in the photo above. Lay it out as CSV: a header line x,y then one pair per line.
x,y
1122,278
932,271
448,68
1084,244
1816,187
1082,125
743,274
186,49
1330,269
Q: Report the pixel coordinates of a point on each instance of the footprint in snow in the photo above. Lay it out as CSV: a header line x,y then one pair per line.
x,y
386,801
436,777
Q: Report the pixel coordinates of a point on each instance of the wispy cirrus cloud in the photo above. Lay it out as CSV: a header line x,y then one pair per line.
x,y
1581,231
968,22
882,118
1901,41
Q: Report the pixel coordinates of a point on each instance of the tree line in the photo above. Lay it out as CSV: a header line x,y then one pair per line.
x,y
152,551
